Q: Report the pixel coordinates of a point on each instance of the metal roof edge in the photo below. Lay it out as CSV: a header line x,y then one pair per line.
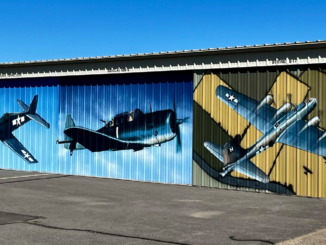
x,y
209,51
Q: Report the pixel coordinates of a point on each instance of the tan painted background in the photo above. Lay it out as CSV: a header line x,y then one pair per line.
x,y
214,121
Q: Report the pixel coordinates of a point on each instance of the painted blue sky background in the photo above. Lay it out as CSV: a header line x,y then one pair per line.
x,y
39,141
89,104
38,30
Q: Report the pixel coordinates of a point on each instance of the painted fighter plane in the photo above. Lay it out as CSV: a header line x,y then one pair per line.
x,y
284,126
125,131
9,122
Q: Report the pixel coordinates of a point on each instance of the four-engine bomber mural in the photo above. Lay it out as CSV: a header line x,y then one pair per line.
x,y
261,130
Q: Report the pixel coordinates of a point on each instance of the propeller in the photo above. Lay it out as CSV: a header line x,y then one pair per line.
x,y
178,146
177,128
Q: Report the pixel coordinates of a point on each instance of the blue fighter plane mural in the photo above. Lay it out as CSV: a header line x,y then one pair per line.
x,y
286,125
126,131
9,122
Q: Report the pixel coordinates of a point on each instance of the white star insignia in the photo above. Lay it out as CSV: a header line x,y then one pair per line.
x,y
231,97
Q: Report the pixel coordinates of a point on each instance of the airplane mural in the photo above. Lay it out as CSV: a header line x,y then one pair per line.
x,y
134,130
284,125
9,122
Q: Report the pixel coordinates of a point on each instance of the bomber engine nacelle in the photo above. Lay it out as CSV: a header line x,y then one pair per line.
x,y
283,109
268,100
314,121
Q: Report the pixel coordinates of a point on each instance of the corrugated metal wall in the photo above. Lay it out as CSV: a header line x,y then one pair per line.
x,y
88,104
290,170
39,141
90,99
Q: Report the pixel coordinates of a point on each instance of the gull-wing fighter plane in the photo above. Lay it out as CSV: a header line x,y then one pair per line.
x,y
125,131
9,122
284,126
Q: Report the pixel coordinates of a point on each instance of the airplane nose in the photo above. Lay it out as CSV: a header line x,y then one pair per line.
x,y
206,144
314,101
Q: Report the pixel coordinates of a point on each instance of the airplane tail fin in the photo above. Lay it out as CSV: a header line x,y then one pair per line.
x,y
69,143
31,109
69,123
33,105
31,112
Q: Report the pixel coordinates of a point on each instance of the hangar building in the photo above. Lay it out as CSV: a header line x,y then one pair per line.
x,y
249,117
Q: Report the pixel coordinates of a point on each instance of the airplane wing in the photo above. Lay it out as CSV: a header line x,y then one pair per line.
x,y
215,149
96,141
36,118
262,119
248,168
19,149
306,138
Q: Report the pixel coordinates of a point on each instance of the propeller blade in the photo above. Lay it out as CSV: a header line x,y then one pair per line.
x,y
174,109
178,146
178,142
150,107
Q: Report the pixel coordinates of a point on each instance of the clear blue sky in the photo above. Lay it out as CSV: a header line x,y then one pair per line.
x,y
39,30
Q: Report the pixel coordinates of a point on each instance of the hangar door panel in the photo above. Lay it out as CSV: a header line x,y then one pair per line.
x,y
130,130
29,127
261,130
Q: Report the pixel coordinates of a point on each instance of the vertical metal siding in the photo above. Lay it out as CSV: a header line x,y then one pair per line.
x,y
88,104
39,141
215,122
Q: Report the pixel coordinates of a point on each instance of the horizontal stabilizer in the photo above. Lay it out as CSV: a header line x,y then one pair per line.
x,y
23,106
248,168
215,149
39,120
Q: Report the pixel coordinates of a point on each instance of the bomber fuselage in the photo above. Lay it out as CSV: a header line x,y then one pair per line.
x,y
272,136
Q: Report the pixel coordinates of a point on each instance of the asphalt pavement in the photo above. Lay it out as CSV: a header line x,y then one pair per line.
x,y
40,208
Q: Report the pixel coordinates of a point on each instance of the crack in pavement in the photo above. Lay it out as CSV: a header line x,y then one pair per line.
x,y
250,240
26,180
35,223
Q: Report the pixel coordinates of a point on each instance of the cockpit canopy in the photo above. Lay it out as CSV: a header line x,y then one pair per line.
x,y
125,117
